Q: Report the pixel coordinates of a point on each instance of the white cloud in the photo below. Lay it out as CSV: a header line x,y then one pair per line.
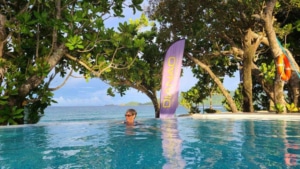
x,y
95,97
93,101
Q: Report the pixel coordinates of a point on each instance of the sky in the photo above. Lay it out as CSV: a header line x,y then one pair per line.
x,y
79,92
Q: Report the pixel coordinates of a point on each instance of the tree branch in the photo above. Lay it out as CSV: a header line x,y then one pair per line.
x,y
63,83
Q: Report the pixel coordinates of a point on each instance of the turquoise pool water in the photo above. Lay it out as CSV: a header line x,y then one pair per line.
x,y
176,143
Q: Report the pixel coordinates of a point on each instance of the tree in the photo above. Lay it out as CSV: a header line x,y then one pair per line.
x,y
238,99
144,74
40,36
221,29
267,18
196,22
191,100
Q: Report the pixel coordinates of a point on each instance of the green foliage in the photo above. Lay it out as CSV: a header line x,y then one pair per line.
x,y
191,100
184,102
190,106
143,72
210,37
35,111
238,99
194,110
9,116
284,31
295,3
279,108
41,38
110,92
292,108
74,42
3,99
268,71
298,25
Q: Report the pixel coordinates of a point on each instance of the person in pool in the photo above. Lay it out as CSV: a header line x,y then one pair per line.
x,y
130,116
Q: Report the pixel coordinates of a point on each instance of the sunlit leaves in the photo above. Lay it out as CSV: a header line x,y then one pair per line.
x,y
292,107
141,22
277,5
191,100
279,108
295,3
268,71
74,42
284,31
184,102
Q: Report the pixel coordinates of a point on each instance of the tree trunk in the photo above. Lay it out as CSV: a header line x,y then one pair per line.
x,y
272,106
294,81
279,95
35,80
152,96
218,82
251,43
210,100
247,82
267,17
294,85
156,107
150,93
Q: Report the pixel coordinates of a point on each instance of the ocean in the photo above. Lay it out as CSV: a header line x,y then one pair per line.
x,y
97,113
100,113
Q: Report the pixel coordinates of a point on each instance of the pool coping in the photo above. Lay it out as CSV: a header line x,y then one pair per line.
x,y
258,115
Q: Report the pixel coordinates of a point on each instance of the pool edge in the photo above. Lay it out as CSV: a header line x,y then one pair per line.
x,y
261,116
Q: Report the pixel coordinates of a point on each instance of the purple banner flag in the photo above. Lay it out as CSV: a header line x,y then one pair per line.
x,y
170,79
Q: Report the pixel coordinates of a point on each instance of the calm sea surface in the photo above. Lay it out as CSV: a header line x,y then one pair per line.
x,y
98,113
95,137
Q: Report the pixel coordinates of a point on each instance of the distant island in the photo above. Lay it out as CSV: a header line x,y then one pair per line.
x,y
132,104
138,104
216,101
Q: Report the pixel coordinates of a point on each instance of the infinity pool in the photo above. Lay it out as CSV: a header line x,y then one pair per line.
x,y
175,143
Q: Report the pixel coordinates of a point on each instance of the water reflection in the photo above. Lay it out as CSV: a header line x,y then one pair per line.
x,y
135,146
291,144
240,143
171,144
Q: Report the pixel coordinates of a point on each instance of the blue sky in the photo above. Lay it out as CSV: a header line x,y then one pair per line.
x,y
78,92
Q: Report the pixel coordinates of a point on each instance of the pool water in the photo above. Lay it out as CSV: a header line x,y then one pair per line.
x,y
154,143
